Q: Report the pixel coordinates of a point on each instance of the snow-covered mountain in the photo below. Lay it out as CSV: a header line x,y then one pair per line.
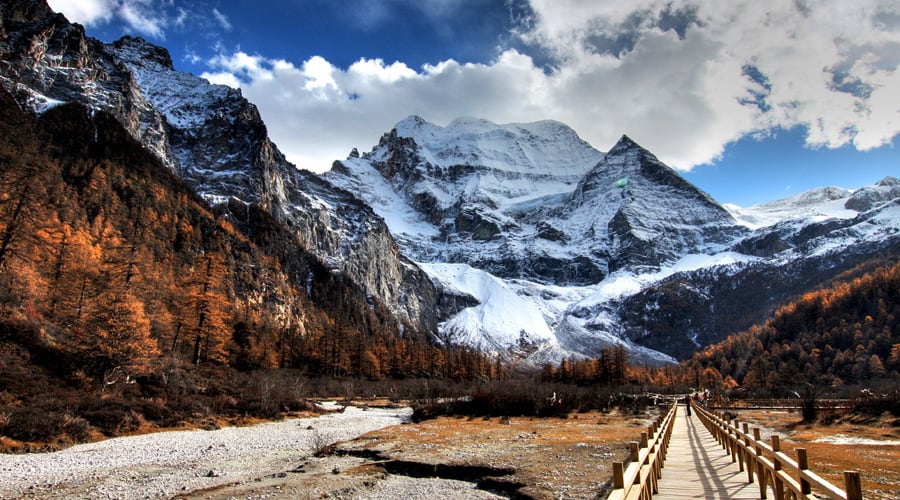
x,y
530,201
532,221
818,204
462,193
568,250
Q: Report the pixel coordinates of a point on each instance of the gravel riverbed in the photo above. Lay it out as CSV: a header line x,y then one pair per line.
x,y
168,464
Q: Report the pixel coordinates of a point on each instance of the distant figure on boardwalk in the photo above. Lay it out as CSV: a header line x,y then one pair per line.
x,y
687,405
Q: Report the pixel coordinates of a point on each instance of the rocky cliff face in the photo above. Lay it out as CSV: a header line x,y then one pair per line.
x,y
47,60
218,141
652,215
870,197
213,138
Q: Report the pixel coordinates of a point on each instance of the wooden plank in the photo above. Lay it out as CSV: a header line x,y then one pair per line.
x,y
697,466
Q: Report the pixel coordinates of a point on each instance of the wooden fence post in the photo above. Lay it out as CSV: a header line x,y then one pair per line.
x,y
747,454
618,475
853,485
803,464
732,431
762,471
777,483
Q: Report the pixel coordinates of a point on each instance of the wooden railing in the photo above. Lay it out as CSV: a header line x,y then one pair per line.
x,y
638,480
770,466
782,404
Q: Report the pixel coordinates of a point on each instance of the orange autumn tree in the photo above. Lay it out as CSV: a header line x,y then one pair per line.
x,y
205,311
118,332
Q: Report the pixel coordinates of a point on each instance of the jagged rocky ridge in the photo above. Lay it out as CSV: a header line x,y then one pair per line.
x,y
216,141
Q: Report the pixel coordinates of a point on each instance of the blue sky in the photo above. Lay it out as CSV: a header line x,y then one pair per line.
x,y
752,101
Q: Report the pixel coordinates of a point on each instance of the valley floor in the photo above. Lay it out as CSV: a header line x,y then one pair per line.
x,y
377,453
460,457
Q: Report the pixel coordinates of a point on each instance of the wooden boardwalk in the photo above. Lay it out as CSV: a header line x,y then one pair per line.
x,y
697,466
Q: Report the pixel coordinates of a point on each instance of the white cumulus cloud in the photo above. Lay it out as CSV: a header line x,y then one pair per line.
x,y
86,12
145,17
683,77
149,18
827,65
141,16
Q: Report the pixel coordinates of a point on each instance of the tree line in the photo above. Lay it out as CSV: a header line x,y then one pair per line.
x,y
847,334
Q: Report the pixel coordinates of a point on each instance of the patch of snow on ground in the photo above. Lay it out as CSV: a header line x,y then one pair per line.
x,y
511,311
551,300
853,440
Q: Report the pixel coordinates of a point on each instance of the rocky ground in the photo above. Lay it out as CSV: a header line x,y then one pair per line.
x,y
518,457
457,457
168,464
378,454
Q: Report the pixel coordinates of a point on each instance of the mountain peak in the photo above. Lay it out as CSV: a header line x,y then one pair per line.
x,y
137,51
888,182
410,123
469,122
624,144
412,120
869,197
543,147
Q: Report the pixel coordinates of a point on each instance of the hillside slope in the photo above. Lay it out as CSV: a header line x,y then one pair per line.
x,y
125,299
848,334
